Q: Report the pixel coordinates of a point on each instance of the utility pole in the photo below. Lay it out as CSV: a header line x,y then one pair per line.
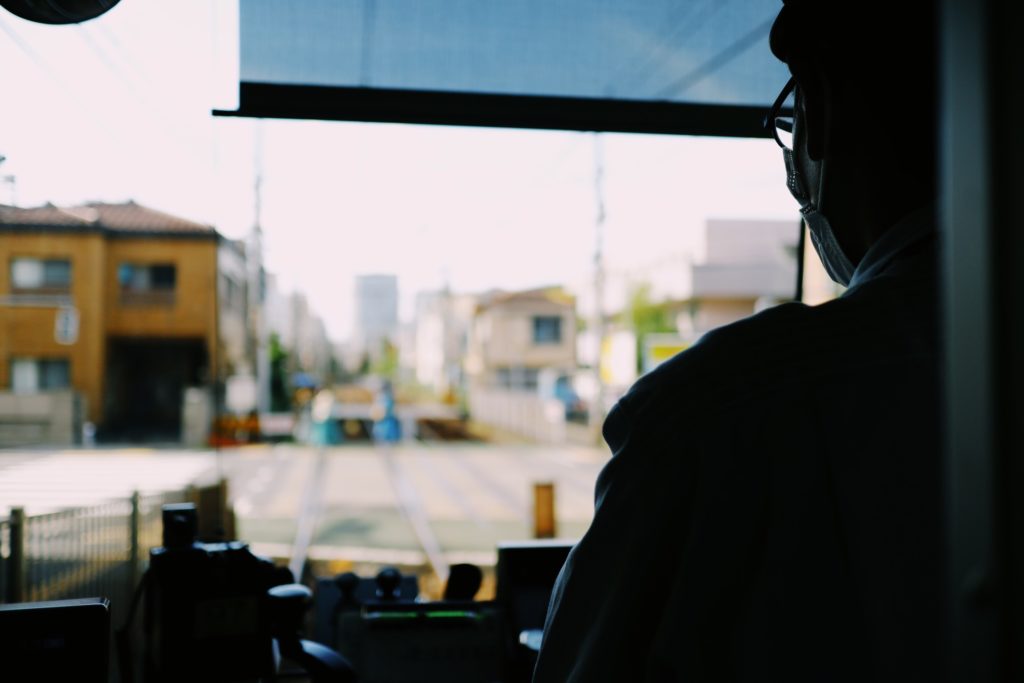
x,y
257,285
10,180
597,412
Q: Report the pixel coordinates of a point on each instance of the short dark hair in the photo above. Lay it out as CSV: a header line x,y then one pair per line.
x,y
853,35
884,56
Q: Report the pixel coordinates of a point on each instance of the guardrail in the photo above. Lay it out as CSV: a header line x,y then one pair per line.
x,y
100,550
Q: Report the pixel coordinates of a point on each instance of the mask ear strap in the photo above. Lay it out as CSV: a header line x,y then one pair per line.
x,y
794,180
816,121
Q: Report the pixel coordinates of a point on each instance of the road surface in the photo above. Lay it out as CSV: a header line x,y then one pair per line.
x,y
421,504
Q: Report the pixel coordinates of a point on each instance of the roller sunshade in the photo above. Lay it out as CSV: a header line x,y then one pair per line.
x,y
661,66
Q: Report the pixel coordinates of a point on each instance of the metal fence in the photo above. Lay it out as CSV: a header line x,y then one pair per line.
x,y
93,551
5,555
99,551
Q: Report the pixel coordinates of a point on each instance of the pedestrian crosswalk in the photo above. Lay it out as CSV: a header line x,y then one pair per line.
x,y
47,481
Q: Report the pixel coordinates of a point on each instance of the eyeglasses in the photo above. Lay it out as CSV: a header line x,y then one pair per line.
x,y
781,127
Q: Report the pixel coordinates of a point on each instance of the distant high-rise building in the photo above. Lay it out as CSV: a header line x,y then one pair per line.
x,y
376,311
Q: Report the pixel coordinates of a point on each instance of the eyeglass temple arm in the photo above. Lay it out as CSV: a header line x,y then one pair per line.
x,y
770,119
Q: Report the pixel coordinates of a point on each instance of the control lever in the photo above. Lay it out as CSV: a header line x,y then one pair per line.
x,y
347,584
287,606
463,582
389,582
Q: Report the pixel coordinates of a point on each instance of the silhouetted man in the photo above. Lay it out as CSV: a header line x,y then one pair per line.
x,y
771,510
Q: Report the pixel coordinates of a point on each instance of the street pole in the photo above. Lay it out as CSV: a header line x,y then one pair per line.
x,y
12,181
597,414
257,296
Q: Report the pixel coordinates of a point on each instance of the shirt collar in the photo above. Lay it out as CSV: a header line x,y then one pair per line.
x,y
911,229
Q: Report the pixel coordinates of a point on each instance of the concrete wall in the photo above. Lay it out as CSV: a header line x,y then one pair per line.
x,y
196,417
751,241
48,418
519,412
744,280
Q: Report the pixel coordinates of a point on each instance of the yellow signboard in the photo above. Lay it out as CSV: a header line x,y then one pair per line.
x,y
659,348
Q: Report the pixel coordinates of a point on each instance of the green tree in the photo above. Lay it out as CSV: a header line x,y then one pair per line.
x,y
280,398
364,365
386,364
645,317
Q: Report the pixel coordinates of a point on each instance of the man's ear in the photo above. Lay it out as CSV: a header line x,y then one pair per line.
x,y
810,81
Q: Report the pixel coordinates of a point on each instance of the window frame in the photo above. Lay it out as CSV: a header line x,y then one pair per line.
x,y
537,322
40,363
152,294
44,288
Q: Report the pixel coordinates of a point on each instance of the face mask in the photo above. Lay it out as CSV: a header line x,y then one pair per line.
x,y
840,267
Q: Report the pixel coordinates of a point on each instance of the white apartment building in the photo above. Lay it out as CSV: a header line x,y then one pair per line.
x,y
443,320
376,311
749,264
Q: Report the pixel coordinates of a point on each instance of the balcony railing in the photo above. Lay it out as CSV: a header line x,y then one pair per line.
x,y
150,297
21,298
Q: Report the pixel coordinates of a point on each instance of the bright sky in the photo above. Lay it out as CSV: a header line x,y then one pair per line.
x,y
119,108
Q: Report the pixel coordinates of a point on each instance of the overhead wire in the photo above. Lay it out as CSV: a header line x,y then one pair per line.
x,y
674,19
63,86
189,147
682,29
102,55
172,128
717,61
111,37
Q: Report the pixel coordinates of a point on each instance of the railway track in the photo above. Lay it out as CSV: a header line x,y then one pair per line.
x,y
419,507
408,501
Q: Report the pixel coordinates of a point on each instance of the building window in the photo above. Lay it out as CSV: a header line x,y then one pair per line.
x,y
41,275
31,375
517,378
147,284
231,294
547,329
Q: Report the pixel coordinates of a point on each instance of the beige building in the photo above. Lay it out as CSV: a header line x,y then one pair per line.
x,y
521,349
514,336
